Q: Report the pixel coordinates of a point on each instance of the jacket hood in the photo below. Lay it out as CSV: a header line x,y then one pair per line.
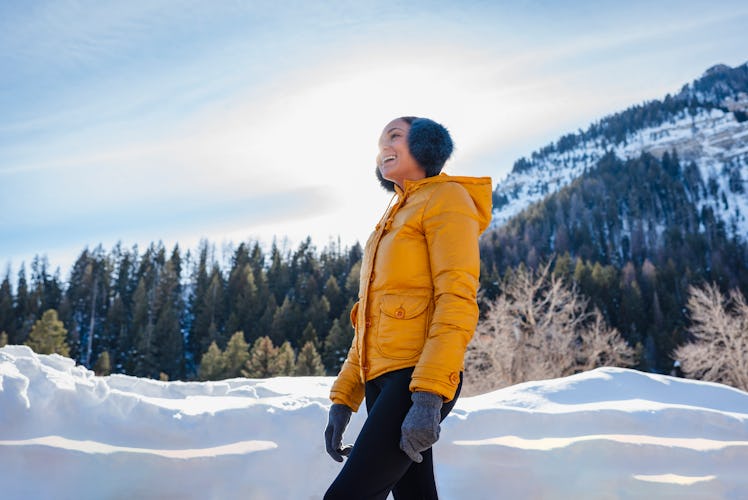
x,y
480,190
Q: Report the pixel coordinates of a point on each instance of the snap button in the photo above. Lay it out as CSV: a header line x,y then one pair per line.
x,y
454,378
366,368
371,277
400,313
368,321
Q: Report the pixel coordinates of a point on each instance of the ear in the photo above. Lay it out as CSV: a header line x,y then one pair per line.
x,y
430,144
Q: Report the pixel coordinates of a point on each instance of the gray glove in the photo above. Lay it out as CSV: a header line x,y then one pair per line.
x,y
337,421
420,429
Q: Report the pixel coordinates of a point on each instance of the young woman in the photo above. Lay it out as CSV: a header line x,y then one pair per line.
x,y
415,316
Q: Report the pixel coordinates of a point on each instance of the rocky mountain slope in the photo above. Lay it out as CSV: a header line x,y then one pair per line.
x,y
636,210
705,123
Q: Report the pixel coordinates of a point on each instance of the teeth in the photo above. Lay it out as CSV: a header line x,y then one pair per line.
x,y
388,158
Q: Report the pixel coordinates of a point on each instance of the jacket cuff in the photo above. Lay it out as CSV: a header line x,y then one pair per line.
x,y
446,386
343,399
347,391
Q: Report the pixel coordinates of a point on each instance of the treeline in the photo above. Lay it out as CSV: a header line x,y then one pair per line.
x,y
633,235
157,313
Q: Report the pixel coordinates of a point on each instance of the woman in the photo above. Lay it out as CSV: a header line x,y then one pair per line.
x,y
415,316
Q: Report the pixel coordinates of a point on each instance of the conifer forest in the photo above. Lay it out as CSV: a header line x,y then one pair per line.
x,y
633,235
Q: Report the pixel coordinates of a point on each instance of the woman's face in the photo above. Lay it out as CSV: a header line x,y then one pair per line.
x,y
394,160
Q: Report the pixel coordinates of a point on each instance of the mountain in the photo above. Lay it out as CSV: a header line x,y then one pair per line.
x,y
705,123
636,209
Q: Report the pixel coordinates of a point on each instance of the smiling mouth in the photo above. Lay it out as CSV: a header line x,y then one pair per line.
x,y
388,159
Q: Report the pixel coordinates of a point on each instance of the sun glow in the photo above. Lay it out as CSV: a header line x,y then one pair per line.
x,y
323,133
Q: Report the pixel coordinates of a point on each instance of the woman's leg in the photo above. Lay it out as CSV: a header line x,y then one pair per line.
x,y
377,463
418,482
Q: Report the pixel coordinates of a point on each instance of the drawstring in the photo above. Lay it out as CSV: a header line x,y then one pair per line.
x,y
386,212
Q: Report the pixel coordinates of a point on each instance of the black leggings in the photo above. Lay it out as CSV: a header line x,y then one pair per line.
x,y
377,465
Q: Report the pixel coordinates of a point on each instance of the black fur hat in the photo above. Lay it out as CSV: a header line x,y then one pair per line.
x,y
429,143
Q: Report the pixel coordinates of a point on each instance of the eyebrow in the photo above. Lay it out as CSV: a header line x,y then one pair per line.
x,y
395,128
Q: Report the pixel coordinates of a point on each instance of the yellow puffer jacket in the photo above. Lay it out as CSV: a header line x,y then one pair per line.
x,y
417,293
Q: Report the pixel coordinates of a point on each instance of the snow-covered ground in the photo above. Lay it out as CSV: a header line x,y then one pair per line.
x,y
608,433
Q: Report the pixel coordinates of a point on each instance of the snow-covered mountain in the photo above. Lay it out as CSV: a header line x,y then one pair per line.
x,y
607,433
705,123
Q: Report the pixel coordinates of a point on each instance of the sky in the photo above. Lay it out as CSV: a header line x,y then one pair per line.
x,y
160,120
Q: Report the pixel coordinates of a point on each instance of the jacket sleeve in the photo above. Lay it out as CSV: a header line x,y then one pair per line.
x,y
348,388
450,224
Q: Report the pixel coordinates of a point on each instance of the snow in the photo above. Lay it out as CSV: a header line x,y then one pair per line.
x,y
607,433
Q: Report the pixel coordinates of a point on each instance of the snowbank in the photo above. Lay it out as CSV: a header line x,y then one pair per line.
x,y
608,433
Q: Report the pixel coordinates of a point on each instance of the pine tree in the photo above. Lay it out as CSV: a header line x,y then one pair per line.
x,y
118,332
265,323
352,280
278,274
212,365
48,335
317,312
215,304
236,355
198,341
335,297
168,330
46,288
143,359
262,359
23,320
262,290
241,292
7,315
285,360
284,321
97,282
631,309
309,335
103,366
117,327
309,362
335,347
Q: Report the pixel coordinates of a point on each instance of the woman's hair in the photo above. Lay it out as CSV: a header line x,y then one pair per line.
x,y
430,145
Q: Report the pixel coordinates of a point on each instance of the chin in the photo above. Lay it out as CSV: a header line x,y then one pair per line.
x,y
386,173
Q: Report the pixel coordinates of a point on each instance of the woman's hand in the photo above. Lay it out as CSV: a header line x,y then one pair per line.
x,y
420,429
338,419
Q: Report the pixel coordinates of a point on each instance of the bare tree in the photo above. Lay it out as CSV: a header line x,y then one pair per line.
x,y
539,327
719,325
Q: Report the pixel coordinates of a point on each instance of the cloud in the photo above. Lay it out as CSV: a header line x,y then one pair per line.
x,y
67,33
159,120
164,219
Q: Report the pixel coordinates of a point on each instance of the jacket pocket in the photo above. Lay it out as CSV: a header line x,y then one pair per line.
x,y
403,324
